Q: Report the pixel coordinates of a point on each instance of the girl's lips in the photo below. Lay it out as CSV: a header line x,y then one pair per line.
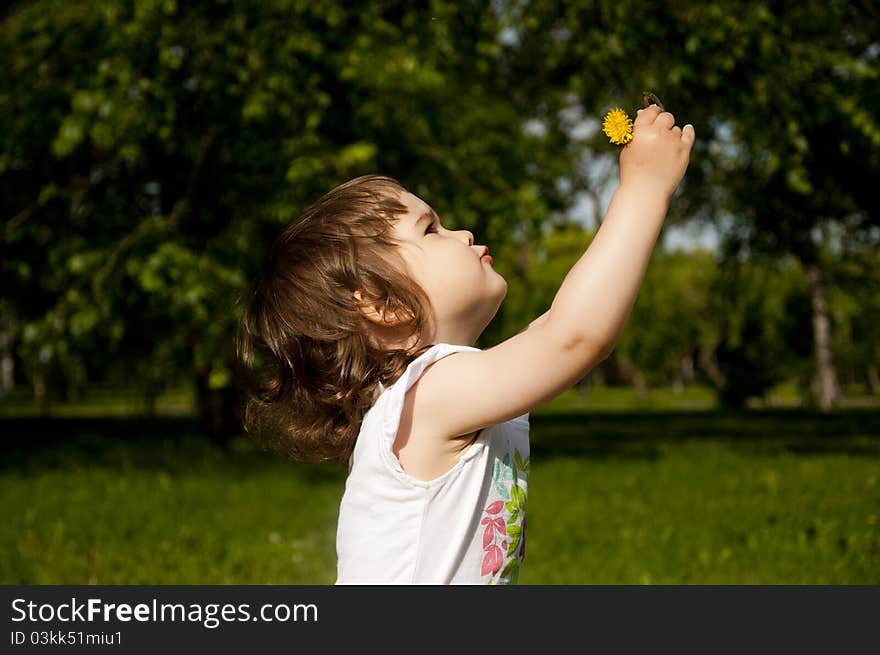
x,y
486,258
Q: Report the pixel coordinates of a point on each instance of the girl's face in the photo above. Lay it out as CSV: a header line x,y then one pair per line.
x,y
465,290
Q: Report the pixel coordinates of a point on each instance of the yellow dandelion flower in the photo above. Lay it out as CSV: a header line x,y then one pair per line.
x,y
618,126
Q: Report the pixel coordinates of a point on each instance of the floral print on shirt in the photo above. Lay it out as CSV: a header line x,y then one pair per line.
x,y
504,535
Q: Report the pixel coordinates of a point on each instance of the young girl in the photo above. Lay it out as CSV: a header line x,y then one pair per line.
x,y
364,321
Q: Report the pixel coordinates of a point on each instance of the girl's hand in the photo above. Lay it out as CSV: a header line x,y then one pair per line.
x,y
658,154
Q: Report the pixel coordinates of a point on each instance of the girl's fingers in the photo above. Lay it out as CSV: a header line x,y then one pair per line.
x,y
653,113
647,115
667,118
688,135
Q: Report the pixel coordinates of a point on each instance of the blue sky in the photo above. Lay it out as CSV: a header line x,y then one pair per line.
x,y
603,174
673,237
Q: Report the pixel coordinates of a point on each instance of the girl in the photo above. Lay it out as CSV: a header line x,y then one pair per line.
x,y
364,321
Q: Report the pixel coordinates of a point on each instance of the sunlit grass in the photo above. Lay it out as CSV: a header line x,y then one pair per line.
x,y
586,398
700,512
610,502
99,402
167,512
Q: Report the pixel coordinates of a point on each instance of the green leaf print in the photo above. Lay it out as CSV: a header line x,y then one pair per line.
x,y
514,498
515,532
505,479
510,568
514,541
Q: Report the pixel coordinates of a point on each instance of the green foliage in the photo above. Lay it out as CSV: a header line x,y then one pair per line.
x,y
800,97
538,271
854,300
765,326
671,314
151,151
784,100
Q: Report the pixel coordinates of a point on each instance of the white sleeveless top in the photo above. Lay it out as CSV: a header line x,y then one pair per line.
x,y
465,527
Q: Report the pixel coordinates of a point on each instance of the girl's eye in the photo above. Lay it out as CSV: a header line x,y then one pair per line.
x,y
430,229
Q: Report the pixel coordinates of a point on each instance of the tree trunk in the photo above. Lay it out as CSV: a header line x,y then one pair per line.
x,y
709,364
636,377
873,379
584,386
594,377
677,382
828,389
151,395
687,367
41,393
7,363
641,384
218,409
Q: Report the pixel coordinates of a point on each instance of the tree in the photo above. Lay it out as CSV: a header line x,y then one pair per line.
x,y
670,316
151,151
762,312
784,98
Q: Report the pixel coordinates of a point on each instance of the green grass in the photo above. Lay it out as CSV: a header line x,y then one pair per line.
x,y
179,402
663,497
97,401
704,513
165,511
691,398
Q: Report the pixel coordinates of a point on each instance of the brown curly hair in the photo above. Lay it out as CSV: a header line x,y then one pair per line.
x,y
309,359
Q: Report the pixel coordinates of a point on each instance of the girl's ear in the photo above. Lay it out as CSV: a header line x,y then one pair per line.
x,y
376,312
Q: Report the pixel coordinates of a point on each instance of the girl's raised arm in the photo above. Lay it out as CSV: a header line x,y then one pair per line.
x,y
470,390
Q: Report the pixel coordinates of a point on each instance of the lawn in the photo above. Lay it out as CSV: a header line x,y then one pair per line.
x,y
615,497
